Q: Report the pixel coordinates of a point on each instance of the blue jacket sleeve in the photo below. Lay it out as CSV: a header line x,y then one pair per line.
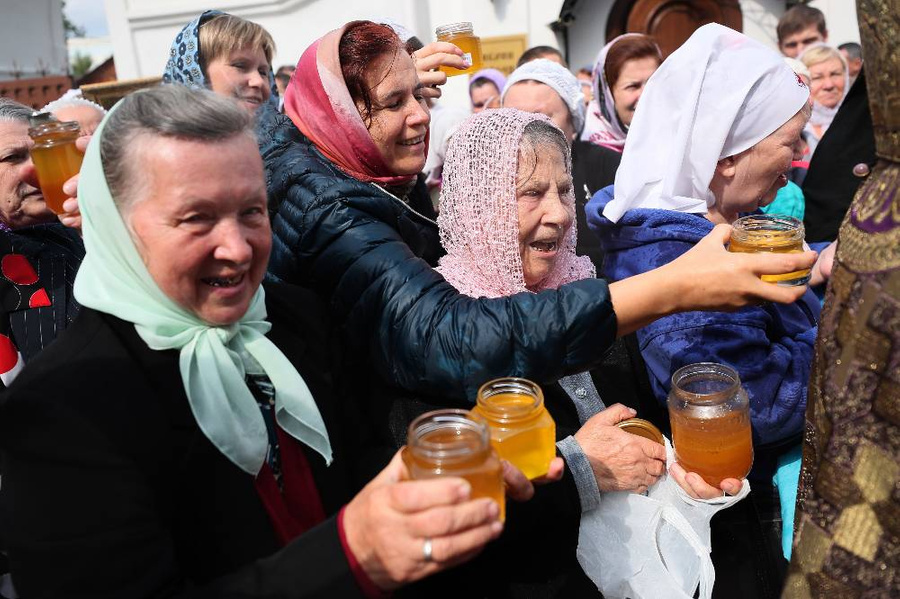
x,y
344,239
770,347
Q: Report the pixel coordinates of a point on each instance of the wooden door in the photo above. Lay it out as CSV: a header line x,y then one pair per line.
x,y
671,22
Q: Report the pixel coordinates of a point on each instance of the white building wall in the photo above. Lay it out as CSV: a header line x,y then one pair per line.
x,y
142,30
32,43
840,17
587,34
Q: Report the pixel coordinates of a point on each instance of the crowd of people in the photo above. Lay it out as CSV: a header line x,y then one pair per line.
x,y
212,359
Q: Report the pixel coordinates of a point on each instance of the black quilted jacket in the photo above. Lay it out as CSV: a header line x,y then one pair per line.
x,y
370,255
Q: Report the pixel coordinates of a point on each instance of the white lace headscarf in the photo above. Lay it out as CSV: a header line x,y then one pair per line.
x,y
479,218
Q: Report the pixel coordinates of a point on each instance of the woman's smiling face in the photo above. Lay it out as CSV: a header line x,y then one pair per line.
x,y
399,118
241,74
200,222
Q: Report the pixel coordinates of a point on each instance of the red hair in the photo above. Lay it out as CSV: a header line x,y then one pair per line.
x,y
629,48
363,43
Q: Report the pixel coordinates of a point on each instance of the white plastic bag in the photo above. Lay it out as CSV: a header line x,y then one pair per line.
x,y
651,547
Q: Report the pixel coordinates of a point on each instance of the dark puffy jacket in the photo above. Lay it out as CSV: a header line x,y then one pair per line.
x,y
371,255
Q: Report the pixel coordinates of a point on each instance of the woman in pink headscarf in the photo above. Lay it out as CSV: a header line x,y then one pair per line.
x,y
507,221
620,73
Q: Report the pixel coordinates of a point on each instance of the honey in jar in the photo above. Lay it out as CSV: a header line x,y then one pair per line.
x,y
710,416
55,157
456,443
522,431
462,36
770,233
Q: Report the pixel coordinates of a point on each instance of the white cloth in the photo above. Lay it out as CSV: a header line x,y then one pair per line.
x,y
647,547
716,96
559,78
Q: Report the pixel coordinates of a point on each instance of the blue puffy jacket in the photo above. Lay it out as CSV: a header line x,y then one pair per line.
x,y
770,346
370,255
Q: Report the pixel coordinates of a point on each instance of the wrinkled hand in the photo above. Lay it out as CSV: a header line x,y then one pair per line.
x,y
72,217
712,278
519,488
821,272
620,461
696,487
432,56
386,525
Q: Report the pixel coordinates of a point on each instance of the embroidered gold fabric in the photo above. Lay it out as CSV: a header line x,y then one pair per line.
x,y
879,29
847,533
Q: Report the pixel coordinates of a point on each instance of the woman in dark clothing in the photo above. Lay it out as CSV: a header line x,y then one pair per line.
x,y
348,220
182,439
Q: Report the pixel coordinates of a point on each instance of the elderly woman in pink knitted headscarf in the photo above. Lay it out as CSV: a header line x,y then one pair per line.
x,y
507,222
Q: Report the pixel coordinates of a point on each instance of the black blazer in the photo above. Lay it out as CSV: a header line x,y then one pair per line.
x,y
110,489
830,184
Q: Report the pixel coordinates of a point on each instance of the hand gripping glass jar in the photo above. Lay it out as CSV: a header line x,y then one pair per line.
x,y
522,431
462,36
455,443
771,233
710,416
55,157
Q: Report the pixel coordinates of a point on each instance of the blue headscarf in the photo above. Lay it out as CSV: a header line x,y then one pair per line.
x,y
183,66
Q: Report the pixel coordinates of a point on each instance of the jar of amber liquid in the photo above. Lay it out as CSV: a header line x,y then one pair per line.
x,y
710,416
55,157
456,443
462,36
771,233
522,431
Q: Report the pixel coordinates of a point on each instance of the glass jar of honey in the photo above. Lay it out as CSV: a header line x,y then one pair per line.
x,y
771,233
522,430
462,36
455,443
55,157
710,416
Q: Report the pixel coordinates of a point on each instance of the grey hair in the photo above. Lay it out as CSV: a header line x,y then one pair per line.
x,y
169,111
538,136
12,111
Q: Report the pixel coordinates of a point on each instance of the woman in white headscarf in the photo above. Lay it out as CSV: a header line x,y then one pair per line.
x,y
713,138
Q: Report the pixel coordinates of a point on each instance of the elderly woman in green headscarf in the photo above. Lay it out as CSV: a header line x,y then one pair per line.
x,y
183,436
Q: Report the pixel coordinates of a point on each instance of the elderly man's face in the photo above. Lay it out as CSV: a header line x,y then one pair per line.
x,y
21,201
200,223
534,96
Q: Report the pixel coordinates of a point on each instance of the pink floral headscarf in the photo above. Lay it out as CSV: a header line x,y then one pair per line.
x,y
479,218
319,104
602,125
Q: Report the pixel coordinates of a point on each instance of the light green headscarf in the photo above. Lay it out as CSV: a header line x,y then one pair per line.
x,y
214,359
